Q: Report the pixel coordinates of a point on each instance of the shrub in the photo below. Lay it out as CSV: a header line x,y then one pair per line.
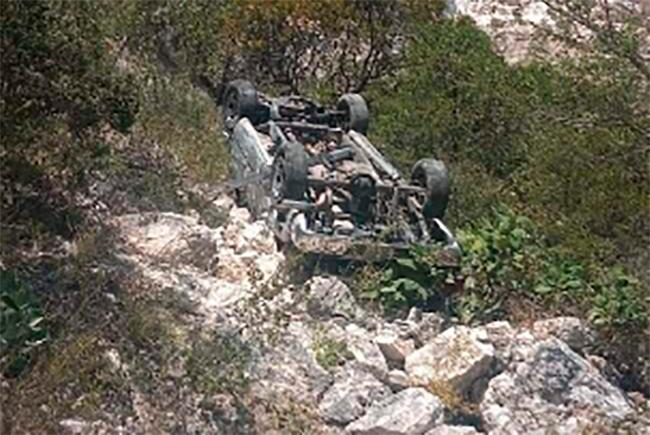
x,y
507,258
617,301
564,144
507,263
22,324
412,279
61,91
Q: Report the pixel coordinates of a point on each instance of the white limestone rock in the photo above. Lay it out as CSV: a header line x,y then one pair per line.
x,y
353,391
550,388
410,412
459,356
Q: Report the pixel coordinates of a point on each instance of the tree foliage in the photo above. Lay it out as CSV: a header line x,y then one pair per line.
x,y
60,85
564,143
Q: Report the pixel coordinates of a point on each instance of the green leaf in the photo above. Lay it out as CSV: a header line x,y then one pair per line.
x,y
408,263
8,300
543,289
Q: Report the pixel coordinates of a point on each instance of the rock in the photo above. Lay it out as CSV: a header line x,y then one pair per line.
x,y
73,426
352,392
255,237
289,368
500,335
571,330
168,238
113,360
458,357
410,412
398,380
637,398
394,348
430,326
414,315
176,252
422,327
329,297
606,369
224,203
453,430
510,24
365,351
551,389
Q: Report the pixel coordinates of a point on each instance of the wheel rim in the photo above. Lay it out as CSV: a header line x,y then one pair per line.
x,y
419,179
346,124
278,180
232,107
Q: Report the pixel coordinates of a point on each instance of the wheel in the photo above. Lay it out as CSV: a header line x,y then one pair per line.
x,y
433,175
356,109
240,101
290,172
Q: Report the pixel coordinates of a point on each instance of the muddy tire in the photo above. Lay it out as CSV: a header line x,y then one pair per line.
x,y
357,116
240,101
433,175
290,172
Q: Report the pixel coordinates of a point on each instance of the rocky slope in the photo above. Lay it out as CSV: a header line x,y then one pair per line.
x,y
312,359
521,30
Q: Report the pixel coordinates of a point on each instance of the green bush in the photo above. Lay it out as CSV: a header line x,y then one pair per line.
x,y
507,257
507,262
62,91
617,301
413,279
564,144
22,324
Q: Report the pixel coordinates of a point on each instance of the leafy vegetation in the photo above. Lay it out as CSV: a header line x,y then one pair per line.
x,y
559,147
406,281
330,352
22,325
218,364
507,263
539,138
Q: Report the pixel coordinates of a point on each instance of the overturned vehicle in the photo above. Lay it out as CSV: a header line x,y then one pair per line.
x,y
320,183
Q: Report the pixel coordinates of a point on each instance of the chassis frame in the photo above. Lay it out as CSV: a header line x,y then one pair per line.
x,y
259,135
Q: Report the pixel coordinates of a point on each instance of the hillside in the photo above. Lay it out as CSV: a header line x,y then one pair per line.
x,y
137,297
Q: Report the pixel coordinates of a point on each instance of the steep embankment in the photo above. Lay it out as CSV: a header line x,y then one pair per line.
x,y
243,348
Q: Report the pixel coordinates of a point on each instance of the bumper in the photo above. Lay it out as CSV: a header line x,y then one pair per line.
x,y
366,248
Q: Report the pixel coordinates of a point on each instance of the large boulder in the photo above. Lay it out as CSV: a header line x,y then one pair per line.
x,y
549,388
328,296
410,412
458,357
212,268
571,330
365,351
353,391
289,368
167,238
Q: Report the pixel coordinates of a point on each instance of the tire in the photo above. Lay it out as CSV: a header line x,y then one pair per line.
x,y
240,101
290,172
433,175
357,116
